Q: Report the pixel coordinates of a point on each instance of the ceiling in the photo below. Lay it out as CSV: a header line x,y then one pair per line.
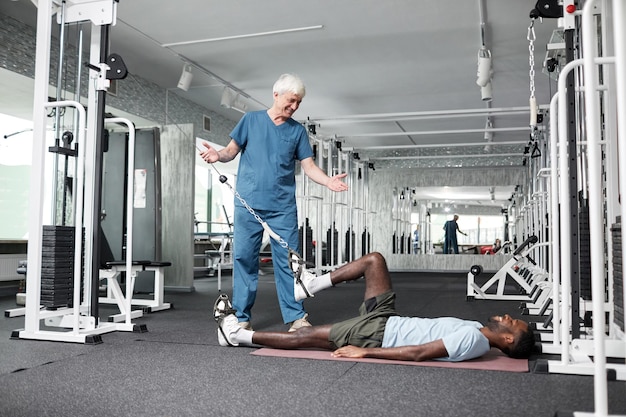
x,y
395,79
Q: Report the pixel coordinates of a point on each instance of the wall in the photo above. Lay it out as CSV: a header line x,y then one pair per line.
x,y
177,168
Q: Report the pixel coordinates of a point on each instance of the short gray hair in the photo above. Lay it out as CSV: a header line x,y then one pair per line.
x,y
289,83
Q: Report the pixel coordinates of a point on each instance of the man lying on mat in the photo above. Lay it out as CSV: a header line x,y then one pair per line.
x,y
378,332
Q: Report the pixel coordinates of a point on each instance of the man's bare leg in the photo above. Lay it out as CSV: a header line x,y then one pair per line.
x,y
371,266
304,337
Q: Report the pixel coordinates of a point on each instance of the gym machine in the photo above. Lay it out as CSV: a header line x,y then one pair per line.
x,y
147,271
75,318
587,244
336,222
521,270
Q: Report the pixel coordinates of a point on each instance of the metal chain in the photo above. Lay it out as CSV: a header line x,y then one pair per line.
x,y
531,56
281,241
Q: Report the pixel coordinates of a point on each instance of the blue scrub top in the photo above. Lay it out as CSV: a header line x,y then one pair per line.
x,y
266,176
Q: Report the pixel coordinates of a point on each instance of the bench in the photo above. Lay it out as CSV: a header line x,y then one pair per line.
x,y
113,270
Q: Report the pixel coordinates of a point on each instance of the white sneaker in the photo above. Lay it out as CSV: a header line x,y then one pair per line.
x,y
302,285
226,328
299,323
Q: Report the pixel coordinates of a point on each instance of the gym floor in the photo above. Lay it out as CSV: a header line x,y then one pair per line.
x,y
177,368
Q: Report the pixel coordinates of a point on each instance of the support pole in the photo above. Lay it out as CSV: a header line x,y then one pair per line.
x,y
596,212
35,216
97,196
619,17
572,198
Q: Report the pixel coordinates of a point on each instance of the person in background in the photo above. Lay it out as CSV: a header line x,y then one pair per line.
x,y
497,245
269,142
416,239
450,228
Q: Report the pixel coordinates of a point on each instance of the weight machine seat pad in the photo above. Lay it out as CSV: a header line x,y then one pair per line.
x,y
111,264
159,263
143,264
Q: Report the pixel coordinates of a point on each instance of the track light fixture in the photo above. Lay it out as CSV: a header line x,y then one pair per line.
x,y
232,100
488,135
485,92
185,78
484,71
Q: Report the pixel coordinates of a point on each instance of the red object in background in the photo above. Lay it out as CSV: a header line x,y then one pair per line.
x,y
485,250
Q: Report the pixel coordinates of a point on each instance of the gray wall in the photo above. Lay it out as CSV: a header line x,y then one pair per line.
x,y
177,187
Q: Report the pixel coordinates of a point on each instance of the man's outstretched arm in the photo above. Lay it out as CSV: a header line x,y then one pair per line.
x,y
417,353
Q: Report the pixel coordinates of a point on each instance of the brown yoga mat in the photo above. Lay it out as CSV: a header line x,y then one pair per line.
x,y
494,360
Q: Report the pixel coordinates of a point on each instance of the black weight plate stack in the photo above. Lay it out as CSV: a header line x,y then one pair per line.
x,y
57,266
365,243
585,253
332,253
308,242
618,280
350,244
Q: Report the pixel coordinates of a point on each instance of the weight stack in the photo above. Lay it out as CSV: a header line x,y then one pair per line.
x,y
57,266
350,244
585,252
365,243
332,252
308,241
618,280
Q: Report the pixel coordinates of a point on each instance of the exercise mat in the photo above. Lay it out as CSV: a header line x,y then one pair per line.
x,y
494,360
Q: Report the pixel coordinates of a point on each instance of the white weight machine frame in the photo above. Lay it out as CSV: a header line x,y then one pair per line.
x,y
509,270
80,326
588,356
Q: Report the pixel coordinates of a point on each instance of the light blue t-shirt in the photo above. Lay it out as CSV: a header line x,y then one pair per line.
x,y
266,176
462,338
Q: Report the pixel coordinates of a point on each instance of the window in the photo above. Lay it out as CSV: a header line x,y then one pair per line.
x,y
16,151
214,201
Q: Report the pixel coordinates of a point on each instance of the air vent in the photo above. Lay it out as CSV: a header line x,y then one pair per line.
x,y
206,123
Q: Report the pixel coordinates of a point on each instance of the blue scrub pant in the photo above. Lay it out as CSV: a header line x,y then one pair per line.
x,y
247,239
450,243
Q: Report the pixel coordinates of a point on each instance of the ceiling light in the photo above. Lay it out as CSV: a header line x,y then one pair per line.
x,y
488,135
485,92
484,67
232,100
185,78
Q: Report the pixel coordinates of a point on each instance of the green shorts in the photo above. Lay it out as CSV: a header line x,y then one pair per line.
x,y
368,328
